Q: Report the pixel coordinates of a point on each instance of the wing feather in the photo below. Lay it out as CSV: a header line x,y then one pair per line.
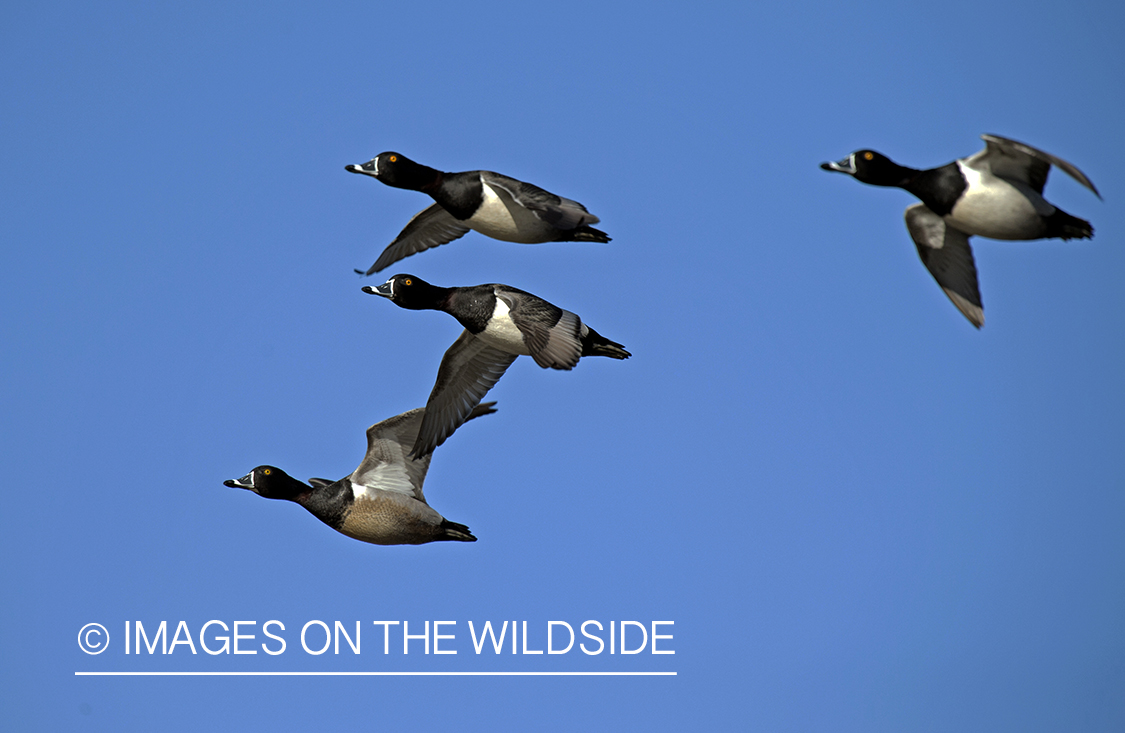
x,y
1021,162
430,227
557,211
468,370
946,253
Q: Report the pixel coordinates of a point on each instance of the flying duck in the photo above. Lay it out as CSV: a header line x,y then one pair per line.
x,y
501,323
493,204
996,193
381,502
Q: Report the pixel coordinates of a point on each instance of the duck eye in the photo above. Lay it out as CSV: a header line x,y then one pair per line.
x,y
393,159
266,472
407,281
868,155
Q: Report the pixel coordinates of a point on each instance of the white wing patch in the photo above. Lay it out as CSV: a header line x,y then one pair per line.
x,y
384,477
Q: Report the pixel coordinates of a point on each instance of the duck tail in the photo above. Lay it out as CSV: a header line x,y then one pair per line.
x,y
455,532
594,344
1061,225
587,233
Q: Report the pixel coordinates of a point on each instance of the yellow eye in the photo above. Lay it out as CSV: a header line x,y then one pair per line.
x,y
868,155
407,281
265,472
393,158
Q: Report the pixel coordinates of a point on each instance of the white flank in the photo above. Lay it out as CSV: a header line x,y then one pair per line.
x,y
502,218
502,333
995,208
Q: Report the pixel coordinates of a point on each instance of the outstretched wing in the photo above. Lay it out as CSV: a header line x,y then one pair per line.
x,y
386,465
430,227
468,370
1020,162
946,253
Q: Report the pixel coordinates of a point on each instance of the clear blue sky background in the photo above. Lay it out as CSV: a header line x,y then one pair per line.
x,y
860,513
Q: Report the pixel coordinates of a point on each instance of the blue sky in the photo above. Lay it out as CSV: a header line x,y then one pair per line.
x,y
859,512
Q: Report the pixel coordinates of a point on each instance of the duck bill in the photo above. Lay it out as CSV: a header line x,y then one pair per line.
x,y
370,168
246,482
386,289
847,165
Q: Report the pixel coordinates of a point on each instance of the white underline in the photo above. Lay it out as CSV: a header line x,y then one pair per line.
x,y
375,674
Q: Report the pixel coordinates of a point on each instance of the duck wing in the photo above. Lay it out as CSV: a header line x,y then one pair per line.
x,y
430,227
468,370
1016,161
557,211
552,335
946,253
385,466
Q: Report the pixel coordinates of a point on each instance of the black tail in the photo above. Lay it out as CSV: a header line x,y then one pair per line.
x,y
594,344
1061,225
585,233
455,532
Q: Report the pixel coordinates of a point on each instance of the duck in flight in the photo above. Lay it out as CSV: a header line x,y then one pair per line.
x,y
381,502
995,193
490,203
501,323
